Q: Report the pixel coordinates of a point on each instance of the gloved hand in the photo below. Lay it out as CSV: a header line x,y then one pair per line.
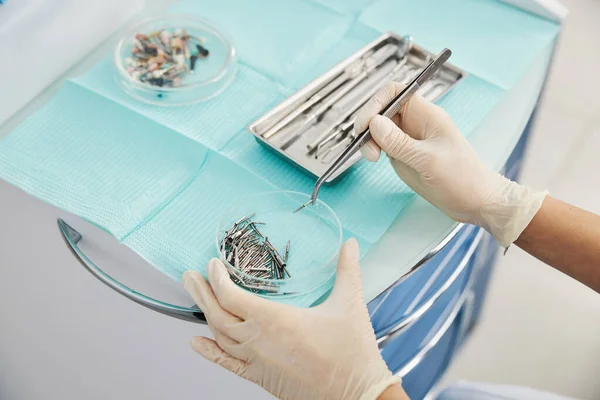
x,y
325,352
432,157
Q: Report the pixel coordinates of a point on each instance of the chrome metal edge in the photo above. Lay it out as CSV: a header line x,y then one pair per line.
x,y
72,238
303,94
427,348
467,305
260,125
406,322
465,298
194,314
432,253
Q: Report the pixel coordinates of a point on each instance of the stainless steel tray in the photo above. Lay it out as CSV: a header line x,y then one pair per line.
x,y
296,151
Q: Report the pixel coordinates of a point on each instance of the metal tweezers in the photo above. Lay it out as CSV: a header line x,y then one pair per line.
x,y
388,111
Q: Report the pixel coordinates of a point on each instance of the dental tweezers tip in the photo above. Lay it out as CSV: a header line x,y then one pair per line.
x,y
302,206
299,208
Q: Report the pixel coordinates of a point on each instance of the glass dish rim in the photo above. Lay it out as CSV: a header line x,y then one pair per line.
x,y
135,28
339,232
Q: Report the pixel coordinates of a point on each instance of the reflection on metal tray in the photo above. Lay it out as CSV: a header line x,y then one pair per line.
x,y
312,127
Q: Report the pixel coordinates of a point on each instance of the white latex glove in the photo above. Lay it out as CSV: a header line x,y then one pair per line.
x,y
325,352
432,157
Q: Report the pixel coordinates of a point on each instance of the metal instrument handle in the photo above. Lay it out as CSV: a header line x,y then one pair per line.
x,y
317,97
349,73
388,111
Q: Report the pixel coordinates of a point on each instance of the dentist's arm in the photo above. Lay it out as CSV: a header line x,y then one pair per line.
x,y
567,238
431,156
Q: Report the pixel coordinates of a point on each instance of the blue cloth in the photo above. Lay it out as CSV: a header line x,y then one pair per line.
x,y
158,178
488,38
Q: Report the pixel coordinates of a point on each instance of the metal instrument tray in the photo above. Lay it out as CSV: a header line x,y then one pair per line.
x,y
317,162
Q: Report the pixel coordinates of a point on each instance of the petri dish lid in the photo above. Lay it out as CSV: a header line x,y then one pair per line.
x,y
210,75
313,238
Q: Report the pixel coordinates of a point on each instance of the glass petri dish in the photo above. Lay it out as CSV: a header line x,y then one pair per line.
x,y
212,70
314,234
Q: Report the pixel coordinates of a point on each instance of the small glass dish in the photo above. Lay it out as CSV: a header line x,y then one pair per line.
x,y
206,77
314,234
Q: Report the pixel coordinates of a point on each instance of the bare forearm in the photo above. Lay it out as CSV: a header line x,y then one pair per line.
x,y
566,238
394,392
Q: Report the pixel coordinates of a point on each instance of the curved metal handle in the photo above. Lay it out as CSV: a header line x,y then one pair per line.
x,y
406,322
194,314
72,238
